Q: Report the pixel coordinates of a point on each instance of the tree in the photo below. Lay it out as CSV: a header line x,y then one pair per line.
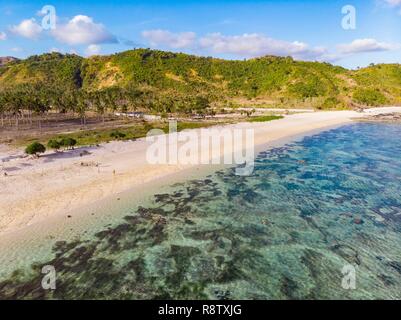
x,y
68,142
54,144
117,134
99,101
82,106
35,148
3,102
200,105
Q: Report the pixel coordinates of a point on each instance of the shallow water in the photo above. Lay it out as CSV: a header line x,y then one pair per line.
x,y
286,232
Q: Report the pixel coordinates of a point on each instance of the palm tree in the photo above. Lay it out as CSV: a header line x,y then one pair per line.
x,y
81,106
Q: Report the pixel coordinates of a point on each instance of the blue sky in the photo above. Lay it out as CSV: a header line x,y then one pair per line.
x,y
307,30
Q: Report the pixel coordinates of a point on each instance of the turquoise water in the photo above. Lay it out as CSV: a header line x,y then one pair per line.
x,y
286,232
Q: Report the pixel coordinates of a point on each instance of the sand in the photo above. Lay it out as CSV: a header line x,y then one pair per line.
x,y
57,183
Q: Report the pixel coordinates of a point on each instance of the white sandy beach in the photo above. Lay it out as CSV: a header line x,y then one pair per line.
x,y
54,184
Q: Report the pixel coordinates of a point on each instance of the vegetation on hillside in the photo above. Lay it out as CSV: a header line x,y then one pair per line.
x,y
165,82
369,96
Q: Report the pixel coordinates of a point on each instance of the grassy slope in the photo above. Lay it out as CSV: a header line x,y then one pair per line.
x,y
281,81
384,78
97,136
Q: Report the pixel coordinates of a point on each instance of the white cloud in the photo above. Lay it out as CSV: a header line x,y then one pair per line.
x,y
253,45
17,49
3,36
167,38
93,49
393,3
257,45
82,30
365,45
28,28
246,45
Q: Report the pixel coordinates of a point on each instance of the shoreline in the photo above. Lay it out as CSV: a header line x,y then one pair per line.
x,y
54,185
34,241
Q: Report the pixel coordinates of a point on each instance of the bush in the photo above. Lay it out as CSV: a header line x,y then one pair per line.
x,y
68,142
370,97
308,89
330,103
35,148
54,144
117,135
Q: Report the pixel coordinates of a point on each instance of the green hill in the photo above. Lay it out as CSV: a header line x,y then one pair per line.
x,y
269,78
152,79
51,70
